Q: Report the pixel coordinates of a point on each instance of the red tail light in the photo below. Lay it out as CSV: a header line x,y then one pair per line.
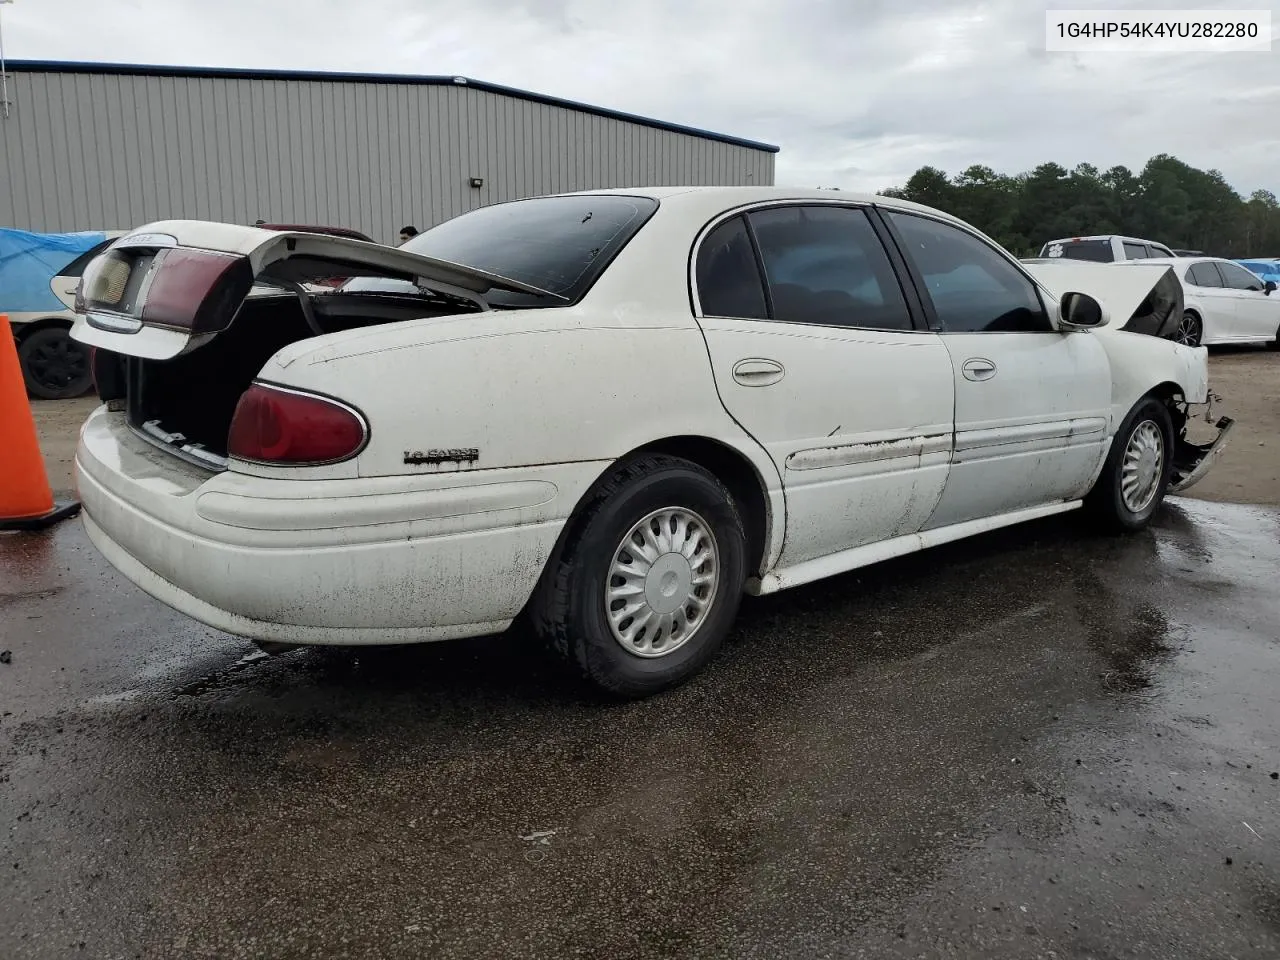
x,y
275,425
197,290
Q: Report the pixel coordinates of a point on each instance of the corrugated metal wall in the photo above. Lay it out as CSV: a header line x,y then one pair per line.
x,y
85,151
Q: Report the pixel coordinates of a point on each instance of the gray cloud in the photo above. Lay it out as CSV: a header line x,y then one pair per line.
x,y
859,93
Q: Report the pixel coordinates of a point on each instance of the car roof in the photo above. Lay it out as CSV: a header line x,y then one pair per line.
x,y
1180,260
1107,236
727,198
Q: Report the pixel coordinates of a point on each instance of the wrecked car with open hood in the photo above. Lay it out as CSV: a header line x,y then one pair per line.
x,y
610,413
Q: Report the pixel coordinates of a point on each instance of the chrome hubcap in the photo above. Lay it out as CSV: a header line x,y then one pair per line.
x,y
662,582
1142,466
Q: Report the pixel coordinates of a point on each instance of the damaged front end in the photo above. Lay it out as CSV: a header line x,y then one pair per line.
x,y
1193,460
1146,298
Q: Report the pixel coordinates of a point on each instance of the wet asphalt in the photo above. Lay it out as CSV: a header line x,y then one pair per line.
x,y
1042,743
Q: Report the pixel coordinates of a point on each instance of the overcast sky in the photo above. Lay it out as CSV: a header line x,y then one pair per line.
x,y
856,92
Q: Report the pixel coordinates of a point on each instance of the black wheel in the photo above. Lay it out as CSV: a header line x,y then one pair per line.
x,y
648,580
1137,470
1190,330
1274,344
54,366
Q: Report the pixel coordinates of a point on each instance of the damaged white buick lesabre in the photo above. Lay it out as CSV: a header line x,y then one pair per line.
x,y
614,412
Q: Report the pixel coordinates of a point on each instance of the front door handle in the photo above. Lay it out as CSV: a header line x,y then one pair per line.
x,y
757,372
979,369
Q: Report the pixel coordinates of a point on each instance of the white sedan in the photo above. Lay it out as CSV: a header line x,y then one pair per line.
x,y
614,412
1224,303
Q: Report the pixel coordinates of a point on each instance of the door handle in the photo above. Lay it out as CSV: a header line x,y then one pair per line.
x,y
978,369
757,373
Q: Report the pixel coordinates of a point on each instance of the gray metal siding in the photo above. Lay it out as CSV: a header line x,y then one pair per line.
x,y
86,151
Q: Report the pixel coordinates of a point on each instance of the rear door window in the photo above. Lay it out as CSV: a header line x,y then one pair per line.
x,y
1136,251
826,265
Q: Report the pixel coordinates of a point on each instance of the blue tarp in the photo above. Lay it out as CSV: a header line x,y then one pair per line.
x,y
1266,269
28,261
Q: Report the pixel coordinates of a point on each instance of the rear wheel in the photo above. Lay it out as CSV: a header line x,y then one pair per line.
x,y
54,367
1190,330
1137,470
649,579
1274,344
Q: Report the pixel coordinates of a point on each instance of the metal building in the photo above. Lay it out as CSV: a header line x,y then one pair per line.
x,y
110,146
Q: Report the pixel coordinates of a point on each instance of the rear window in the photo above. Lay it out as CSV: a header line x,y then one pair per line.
x,y
558,244
1098,251
76,267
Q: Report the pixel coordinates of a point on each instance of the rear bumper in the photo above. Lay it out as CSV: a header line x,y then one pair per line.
x,y
361,561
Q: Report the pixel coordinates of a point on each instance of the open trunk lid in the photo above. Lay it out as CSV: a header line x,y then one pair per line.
x,y
1140,297
169,287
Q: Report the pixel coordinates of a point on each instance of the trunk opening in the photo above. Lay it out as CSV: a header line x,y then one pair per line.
x,y
185,404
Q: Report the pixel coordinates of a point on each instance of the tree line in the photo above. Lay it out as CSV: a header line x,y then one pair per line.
x,y
1168,201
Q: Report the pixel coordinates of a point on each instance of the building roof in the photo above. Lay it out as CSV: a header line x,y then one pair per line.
x,y
232,73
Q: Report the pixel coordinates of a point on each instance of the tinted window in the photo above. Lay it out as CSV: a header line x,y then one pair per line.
x,y
729,283
1204,275
826,265
1160,251
1097,251
1238,278
1136,251
559,244
972,286
76,267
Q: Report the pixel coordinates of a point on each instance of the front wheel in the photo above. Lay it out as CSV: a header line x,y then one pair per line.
x,y
1274,344
649,579
1137,470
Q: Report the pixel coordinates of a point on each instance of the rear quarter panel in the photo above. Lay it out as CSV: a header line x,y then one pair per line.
x,y
521,389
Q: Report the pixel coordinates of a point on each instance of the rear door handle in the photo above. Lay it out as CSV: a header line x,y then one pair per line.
x,y
978,369
757,372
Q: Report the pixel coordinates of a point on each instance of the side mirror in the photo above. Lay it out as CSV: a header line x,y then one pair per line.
x,y
1269,287
1079,311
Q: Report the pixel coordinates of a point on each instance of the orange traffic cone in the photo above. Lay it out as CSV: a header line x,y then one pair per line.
x,y
26,502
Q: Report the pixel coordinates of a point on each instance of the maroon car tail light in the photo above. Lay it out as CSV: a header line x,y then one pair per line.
x,y
147,279
195,290
286,427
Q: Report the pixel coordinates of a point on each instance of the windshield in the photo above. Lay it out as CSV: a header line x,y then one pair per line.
x,y
1098,251
558,244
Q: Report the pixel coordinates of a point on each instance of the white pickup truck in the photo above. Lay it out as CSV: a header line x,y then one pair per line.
x,y
1108,248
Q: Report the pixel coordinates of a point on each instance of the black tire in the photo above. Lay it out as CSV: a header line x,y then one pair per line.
x,y
1106,500
1191,330
1274,344
54,367
569,609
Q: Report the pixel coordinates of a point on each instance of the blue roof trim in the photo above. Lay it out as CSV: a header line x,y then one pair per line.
x,y
234,73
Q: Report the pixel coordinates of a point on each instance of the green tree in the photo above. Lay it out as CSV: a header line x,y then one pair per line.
x,y
1168,201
